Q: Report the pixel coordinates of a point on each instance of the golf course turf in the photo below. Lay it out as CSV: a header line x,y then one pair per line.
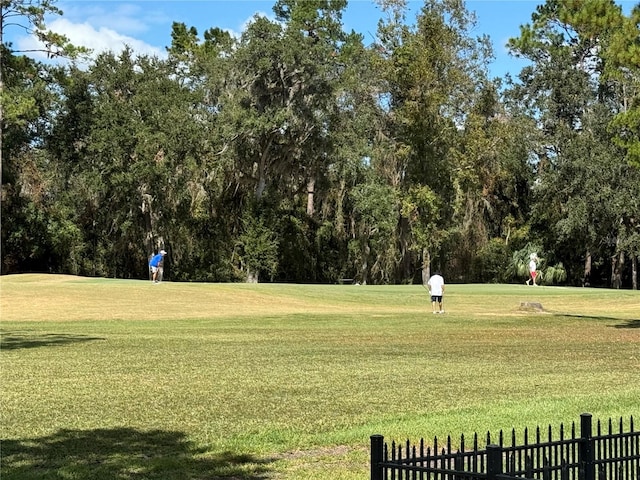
x,y
106,379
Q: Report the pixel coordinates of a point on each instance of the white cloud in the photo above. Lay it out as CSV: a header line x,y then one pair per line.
x,y
110,26
101,39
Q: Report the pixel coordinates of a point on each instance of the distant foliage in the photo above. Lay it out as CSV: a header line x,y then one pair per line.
x,y
300,152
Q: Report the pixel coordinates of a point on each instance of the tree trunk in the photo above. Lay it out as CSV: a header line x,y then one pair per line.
x,y
252,277
634,272
617,262
262,170
145,207
426,266
366,250
311,187
586,279
262,183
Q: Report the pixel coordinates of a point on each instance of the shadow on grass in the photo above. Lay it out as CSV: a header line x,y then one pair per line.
x,y
17,341
110,454
631,323
634,323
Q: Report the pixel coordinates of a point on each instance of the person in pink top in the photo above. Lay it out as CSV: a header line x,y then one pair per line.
x,y
533,269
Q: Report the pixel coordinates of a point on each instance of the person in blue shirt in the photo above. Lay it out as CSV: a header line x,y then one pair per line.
x,y
155,264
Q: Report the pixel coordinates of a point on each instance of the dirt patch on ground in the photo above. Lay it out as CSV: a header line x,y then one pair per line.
x,y
531,306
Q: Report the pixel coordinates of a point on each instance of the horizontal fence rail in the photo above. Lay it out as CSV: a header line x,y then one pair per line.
x,y
567,454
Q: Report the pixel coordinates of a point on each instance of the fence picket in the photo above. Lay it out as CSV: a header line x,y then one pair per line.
x,y
614,455
546,468
539,451
528,466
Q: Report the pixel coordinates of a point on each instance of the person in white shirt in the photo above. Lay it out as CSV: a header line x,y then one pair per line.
x,y
436,290
533,269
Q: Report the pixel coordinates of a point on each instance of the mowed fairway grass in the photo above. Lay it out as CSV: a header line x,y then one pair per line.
x,y
122,379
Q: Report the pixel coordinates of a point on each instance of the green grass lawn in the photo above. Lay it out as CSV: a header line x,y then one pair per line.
x,y
114,379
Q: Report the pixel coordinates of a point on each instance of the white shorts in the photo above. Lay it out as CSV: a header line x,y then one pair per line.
x,y
153,269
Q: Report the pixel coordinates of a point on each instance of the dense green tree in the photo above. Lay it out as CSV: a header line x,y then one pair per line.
x,y
622,66
421,208
492,183
578,205
205,67
25,101
129,140
279,105
618,49
296,152
435,72
280,108
357,136
257,248
375,219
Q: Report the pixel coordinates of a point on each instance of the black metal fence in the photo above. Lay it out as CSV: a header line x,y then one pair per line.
x,y
613,453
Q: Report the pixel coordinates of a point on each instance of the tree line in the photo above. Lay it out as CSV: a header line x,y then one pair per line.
x,y
300,152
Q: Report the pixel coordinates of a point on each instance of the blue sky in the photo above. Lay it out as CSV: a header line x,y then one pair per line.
x,y
145,25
